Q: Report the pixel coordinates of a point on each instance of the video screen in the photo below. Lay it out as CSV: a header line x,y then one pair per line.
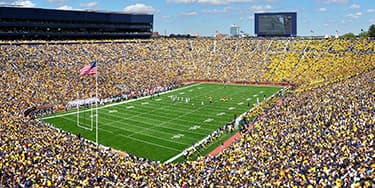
x,y
275,24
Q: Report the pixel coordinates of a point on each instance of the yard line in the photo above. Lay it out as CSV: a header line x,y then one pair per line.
x,y
105,130
157,119
122,102
147,142
166,127
178,117
147,112
159,138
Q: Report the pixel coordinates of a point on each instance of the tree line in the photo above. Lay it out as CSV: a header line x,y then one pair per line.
x,y
365,34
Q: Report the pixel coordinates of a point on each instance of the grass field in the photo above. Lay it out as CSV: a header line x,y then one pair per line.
x,y
160,128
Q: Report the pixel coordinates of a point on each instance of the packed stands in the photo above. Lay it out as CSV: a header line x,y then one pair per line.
x,y
322,134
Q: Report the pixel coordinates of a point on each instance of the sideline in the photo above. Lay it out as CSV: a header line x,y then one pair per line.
x,y
237,134
119,103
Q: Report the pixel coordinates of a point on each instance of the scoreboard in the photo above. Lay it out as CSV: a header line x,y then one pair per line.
x,y
283,24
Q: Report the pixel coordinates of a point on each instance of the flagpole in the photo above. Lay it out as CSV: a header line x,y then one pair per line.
x,y
77,110
96,103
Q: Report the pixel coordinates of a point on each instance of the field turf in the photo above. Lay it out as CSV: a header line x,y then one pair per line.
x,y
161,127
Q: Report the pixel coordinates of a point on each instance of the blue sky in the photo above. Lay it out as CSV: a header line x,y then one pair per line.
x,y
204,17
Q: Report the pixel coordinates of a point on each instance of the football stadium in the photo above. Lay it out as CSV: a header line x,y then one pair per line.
x,y
96,101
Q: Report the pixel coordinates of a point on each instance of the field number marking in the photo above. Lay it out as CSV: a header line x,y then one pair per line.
x,y
195,127
208,120
177,136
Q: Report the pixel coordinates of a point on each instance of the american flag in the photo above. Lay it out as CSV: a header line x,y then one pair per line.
x,y
88,69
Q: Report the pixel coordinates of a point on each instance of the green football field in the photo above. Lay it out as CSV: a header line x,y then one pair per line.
x,y
162,127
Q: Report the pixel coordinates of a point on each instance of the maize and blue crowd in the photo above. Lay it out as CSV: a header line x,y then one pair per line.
x,y
321,135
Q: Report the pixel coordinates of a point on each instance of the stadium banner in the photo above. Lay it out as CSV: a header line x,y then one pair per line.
x,y
82,102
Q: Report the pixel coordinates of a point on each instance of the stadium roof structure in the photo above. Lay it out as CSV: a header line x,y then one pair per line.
x,y
39,23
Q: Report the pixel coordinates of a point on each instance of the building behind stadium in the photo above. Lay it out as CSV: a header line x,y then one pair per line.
x,y
37,23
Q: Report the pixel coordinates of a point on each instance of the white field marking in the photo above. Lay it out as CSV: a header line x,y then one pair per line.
x,y
112,111
152,124
208,120
105,130
231,108
157,99
203,140
177,127
182,93
156,137
170,120
177,136
261,92
119,103
255,95
94,115
83,127
220,114
178,117
240,103
144,103
248,99
151,143
130,107
195,127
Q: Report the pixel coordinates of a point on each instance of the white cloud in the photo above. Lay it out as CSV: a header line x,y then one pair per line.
x,y
65,7
189,13
336,1
251,17
370,10
18,3
58,1
355,6
181,1
354,15
217,2
89,5
218,11
372,21
260,8
140,9
323,9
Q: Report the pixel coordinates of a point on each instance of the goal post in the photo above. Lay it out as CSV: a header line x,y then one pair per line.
x,y
90,127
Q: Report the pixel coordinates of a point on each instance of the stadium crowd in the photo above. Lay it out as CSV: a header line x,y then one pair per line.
x,y
321,135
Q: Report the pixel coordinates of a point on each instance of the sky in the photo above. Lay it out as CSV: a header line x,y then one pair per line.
x,y
204,17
